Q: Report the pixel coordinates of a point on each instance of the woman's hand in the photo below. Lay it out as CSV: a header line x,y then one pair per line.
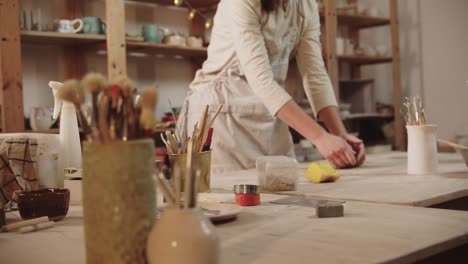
x,y
336,150
358,146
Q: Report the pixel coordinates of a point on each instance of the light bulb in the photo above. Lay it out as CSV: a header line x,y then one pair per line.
x,y
192,14
178,2
208,23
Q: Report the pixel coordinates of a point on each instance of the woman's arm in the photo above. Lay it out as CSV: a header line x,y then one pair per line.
x,y
333,148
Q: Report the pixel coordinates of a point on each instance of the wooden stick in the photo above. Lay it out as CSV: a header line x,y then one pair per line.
x,y
201,131
453,145
29,222
177,182
210,124
188,176
166,189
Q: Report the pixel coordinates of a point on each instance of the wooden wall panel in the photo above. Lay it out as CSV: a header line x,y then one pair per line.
x,y
11,94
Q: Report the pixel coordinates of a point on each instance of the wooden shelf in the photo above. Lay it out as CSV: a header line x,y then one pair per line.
x,y
364,60
201,5
356,116
359,21
356,82
56,38
155,48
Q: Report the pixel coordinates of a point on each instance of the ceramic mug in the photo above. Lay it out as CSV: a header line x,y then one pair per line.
x,y
69,26
93,25
340,46
153,33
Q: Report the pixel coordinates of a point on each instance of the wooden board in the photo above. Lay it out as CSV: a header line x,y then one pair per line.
x,y
56,38
273,233
164,49
397,95
11,87
382,179
116,43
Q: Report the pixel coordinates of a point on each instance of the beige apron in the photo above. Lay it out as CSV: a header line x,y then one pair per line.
x,y
244,130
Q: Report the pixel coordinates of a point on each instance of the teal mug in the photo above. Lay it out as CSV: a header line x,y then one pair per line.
x,y
93,25
152,33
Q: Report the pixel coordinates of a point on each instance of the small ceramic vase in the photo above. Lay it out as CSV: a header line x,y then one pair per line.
x,y
422,149
183,236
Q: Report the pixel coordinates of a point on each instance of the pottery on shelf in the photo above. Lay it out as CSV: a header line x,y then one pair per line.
x,y
183,236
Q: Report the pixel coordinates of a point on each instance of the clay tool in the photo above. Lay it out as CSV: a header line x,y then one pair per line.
x,y
324,208
172,140
453,145
210,125
167,190
32,228
202,128
188,176
29,222
175,121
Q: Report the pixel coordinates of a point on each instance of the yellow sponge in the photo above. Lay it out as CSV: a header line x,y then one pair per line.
x,y
321,172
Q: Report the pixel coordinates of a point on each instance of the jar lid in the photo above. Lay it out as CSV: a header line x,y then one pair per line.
x,y
246,188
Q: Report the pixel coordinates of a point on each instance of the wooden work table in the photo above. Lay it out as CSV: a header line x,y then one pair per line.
x,y
274,233
382,179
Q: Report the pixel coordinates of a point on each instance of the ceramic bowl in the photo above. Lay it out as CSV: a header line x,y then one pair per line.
x,y
465,156
44,202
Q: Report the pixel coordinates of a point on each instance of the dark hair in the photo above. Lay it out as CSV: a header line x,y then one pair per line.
x,y
273,5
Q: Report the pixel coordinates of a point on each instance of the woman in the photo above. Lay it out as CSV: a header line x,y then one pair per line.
x,y
251,45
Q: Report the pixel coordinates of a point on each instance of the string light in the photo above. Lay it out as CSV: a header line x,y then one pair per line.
x,y
208,23
193,12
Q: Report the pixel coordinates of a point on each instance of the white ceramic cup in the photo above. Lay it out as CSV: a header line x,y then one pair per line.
x,y
348,47
69,26
422,150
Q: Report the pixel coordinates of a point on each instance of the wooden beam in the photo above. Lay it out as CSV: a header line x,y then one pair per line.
x,y
11,94
330,45
116,44
397,96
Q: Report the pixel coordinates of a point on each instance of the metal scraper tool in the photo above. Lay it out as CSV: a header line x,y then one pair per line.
x,y
324,208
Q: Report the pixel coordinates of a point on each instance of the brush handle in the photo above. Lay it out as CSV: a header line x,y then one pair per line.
x,y
453,145
29,222
166,189
188,176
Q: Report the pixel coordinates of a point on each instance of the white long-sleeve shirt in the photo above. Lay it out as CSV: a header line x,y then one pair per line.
x,y
263,44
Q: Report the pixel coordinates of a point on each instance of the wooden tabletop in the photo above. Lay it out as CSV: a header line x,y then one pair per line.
x,y
382,179
274,233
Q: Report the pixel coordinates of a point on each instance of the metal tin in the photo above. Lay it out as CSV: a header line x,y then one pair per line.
x,y
246,188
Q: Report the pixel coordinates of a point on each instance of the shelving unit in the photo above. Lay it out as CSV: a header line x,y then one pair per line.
x,y
332,18
117,47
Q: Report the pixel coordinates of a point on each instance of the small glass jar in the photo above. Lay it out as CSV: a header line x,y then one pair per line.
x,y
277,173
247,195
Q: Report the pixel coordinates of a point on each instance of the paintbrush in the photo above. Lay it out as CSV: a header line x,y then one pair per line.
x,y
72,92
103,116
127,114
94,83
149,98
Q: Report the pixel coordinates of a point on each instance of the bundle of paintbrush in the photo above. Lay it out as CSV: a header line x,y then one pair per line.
x,y
177,143
116,115
191,181
413,112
